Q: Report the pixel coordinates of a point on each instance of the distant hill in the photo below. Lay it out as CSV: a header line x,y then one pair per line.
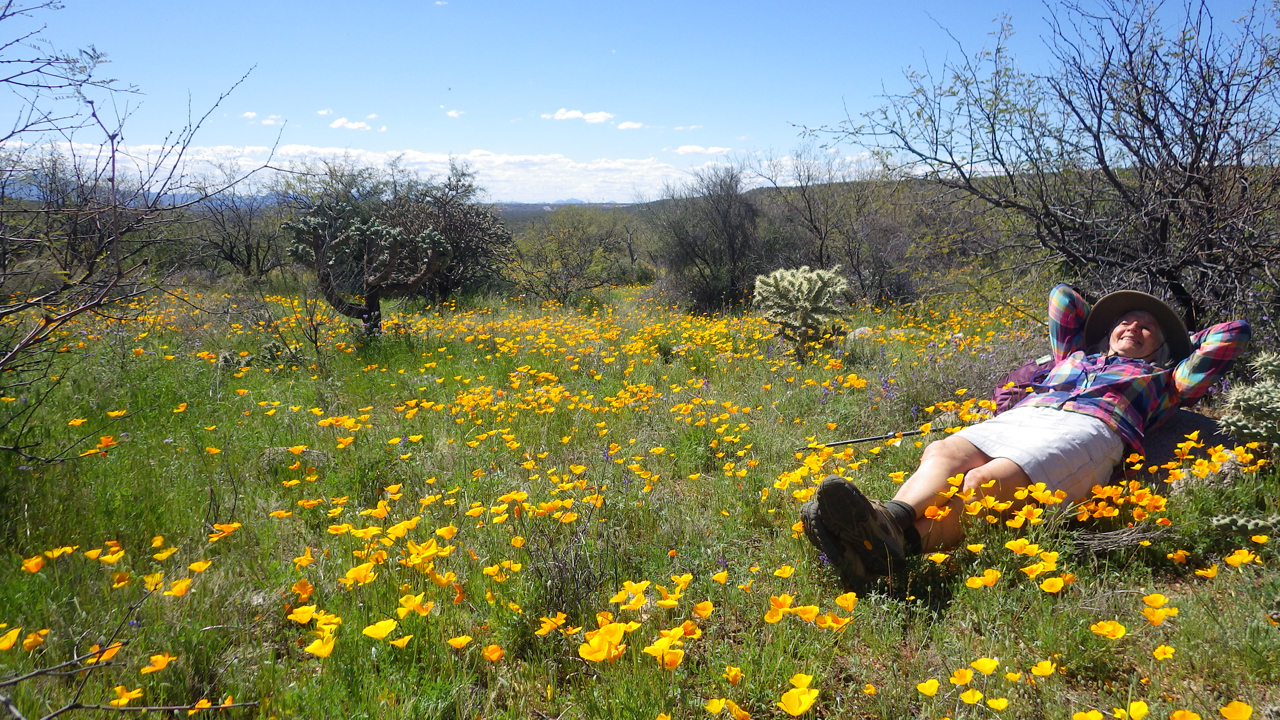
x,y
517,215
514,213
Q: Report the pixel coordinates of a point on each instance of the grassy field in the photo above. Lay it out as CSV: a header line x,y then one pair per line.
x,y
513,510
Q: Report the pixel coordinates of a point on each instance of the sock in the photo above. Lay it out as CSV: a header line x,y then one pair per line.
x,y
902,513
911,540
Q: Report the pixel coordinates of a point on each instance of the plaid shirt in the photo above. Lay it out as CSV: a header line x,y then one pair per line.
x,y
1130,396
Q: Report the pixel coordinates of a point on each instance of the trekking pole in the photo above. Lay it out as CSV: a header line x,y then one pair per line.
x,y
838,443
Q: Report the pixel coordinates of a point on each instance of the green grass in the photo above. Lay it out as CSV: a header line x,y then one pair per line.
x,y
729,394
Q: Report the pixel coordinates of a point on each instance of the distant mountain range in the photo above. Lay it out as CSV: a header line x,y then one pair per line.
x,y
570,201
518,213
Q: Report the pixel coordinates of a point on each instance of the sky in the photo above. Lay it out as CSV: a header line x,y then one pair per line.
x,y
596,101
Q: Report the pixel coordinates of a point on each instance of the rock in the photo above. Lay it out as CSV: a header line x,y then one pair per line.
x,y
274,456
945,420
1161,443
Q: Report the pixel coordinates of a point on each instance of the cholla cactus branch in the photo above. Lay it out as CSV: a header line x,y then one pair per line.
x,y
800,302
1246,524
1253,411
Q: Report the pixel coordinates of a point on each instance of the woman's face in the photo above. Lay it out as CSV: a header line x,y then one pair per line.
x,y
1136,335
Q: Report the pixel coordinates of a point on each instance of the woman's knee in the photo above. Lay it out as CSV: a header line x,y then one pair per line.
x,y
998,474
981,479
954,451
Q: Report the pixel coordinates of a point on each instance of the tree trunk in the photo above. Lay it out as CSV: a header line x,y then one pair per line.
x,y
372,314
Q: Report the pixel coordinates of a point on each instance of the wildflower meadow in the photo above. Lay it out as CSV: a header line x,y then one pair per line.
x,y
501,508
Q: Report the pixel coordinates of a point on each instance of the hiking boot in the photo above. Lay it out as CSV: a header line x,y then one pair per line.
x,y
860,524
844,559
809,519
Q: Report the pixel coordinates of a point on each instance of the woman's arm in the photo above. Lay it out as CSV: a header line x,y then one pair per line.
x,y
1212,350
1067,313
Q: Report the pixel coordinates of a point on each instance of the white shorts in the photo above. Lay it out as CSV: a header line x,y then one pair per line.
x,y
1064,450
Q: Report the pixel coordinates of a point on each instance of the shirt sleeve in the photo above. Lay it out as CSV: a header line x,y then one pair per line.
x,y
1212,351
1067,313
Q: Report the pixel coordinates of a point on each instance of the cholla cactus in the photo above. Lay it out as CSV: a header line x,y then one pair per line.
x,y
359,261
1253,411
1245,524
800,302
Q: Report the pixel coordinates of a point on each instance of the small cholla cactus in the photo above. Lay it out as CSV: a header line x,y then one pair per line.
x,y
1246,525
275,350
800,302
1253,411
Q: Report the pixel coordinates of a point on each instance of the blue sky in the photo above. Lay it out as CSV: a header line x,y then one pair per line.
x,y
596,101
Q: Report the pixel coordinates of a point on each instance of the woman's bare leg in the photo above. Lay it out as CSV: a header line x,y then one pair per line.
x,y
942,459
945,459
1000,478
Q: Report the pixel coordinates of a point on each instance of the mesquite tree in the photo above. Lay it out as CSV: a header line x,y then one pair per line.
x,y
571,251
480,243
800,302
359,260
241,225
1143,155
709,238
86,226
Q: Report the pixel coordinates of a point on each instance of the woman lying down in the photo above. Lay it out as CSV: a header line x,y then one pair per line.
x,y
1121,368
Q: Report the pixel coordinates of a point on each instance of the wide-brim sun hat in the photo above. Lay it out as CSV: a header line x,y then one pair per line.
x,y
1108,311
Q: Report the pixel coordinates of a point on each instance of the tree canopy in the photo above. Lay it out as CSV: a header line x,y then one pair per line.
x,y
1144,156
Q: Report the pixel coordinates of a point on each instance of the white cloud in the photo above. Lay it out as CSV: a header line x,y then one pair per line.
x,y
563,114
382,129
250,115
699,150
512,178
326,111
455,113
689,127
506,177
345,123
374,116
628,125
442,2
273,120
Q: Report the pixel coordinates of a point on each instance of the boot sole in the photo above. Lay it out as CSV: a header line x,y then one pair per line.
x,y
847,564
851,517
